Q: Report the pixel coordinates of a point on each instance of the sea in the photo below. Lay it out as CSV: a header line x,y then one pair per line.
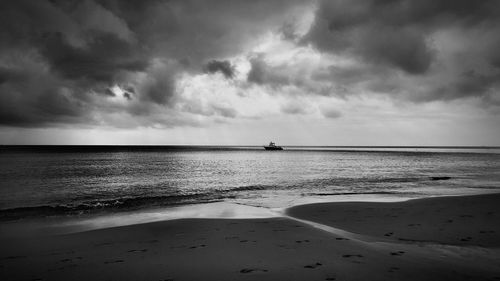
x,y
77,180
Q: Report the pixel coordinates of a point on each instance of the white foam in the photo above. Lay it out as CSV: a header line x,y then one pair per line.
x,y
219,210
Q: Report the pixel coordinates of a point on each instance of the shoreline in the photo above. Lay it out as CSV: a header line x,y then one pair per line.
x,y
279,248
449,220
74,223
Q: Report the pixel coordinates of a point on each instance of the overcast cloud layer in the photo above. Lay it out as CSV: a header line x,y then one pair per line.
x,y
59,60
181,63
426,50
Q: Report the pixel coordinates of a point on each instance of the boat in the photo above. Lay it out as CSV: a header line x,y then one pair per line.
x,y
273,146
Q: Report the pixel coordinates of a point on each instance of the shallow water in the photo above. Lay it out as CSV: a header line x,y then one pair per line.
x,y
72,180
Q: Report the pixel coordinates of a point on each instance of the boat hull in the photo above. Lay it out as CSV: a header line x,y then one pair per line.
x,y
273,148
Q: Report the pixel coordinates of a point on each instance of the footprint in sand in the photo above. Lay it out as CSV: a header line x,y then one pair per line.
x,y
68,260
115,261
398,253
249,270
104,244
152,241
67,266
302,241
393,269
199,246
312,266
135,251
13,257
350,256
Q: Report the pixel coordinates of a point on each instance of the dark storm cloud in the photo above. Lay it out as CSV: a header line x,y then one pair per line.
x,y
56,55
7,74
419,49
262,73
223,67
99,61
258,71
288,31
109,92
393,32
127,95
467,84
50,103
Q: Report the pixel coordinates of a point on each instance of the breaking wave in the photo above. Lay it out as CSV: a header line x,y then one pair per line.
x,y
106,205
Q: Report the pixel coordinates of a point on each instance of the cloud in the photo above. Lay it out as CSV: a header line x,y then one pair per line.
x,y
121,63
127,95
393,32
223,67
158,83
209,109
59,59
225,111
99,61
331,113
94,17
264,74
109,92
415,50
294,108
29,94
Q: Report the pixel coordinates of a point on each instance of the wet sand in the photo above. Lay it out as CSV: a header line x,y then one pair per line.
x,y
413,240
458,220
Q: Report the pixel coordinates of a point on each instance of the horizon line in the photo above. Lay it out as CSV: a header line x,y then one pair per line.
x,y
254,145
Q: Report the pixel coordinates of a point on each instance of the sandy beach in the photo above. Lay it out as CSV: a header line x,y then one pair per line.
x,y
445,238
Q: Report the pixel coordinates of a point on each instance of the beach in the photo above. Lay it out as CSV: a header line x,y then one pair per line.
x,y
441,238
249,140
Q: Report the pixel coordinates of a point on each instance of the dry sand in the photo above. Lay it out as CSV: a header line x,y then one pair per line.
x,y
451,238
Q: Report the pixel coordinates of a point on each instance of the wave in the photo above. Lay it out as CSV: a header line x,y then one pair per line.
x,y
349,193
252,187
131,203
106,205
439,178
125,203
118,148
349,181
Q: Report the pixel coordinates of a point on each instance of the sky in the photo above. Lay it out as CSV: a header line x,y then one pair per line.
x,y
239,72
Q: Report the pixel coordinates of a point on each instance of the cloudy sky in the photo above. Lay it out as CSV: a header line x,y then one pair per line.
x,y
333,72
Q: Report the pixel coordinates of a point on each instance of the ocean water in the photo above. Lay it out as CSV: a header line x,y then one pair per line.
x,y
39,181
